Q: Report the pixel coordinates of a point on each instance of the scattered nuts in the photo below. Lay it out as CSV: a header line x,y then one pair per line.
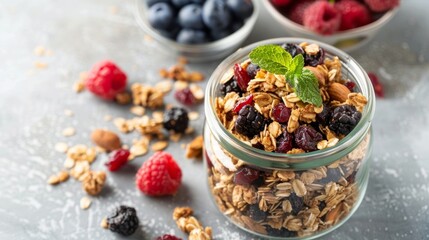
x,y
106,139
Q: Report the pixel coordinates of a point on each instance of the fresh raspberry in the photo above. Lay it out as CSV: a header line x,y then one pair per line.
x,y
168,237
159,175
381,5
353,14
322,17
117,159
378,87
106,80
281,3
296,11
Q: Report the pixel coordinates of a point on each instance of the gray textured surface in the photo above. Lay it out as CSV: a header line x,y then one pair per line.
x,y
83,32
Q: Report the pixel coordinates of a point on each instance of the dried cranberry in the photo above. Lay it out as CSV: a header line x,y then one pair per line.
x,y
284,142
240,104
378,87
168,237
117,159
306,138
185,96
246,176
281,113
350,85
241,75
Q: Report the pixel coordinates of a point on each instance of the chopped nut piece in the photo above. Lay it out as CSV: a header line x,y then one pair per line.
x,y
137,110
160,145
68,132
61,147
190,225
195,148
197,91
193,116
147,96
164,86
140,147
85,202
106,139
123,98
79,86
104,223
182,212
58,178
93,182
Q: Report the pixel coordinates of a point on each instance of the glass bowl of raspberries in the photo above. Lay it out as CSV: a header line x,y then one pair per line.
x,y
287,138
346,24
200,30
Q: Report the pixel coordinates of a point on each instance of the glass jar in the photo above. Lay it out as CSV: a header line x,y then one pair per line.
x,y
294,196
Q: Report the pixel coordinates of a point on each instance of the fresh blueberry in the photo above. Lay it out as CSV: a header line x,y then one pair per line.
x,y
216,14
190,36
241,9
219,34
181,3
190,16
152,2
161,16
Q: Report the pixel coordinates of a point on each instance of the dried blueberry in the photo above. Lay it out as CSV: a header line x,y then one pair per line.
x,y
296,202
306,138
230,86
332,175
256,213
293,49
322,205
283,232
323,117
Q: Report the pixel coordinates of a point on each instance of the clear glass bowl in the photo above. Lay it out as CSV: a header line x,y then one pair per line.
x,y
303,196
348,40
199,52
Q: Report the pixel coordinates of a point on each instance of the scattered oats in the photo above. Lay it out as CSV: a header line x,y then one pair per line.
x,y
179,85
147,96
163,73
69,163
189,130
197,91
193,116
322,144
165,86
104,223
159,146
137,110
332,142
85,202
93,182
195,148
158,116
175,137
196,77
61,147
140,147
79,86
68,112
40,65
60,177
107,118
39,51
68,132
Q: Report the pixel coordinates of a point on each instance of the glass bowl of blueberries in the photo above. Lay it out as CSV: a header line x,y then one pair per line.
x,y
348,25
200,30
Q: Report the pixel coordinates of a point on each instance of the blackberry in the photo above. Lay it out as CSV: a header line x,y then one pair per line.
x,y
323,117
293,49
249,122
252,69
230,86
315,59
306,138
176,119
124,220
296,202
344,119
256,213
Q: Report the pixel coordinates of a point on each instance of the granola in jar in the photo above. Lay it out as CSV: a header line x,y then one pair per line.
x,y
288,142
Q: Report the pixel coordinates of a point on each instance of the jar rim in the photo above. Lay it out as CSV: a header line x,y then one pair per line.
x,y
263,158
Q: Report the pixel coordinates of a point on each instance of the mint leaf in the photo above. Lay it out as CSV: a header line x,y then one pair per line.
x,y
272,58
307,88
296,65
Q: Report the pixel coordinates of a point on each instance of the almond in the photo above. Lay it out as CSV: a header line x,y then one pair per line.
x,y
321,77
338,91
106,139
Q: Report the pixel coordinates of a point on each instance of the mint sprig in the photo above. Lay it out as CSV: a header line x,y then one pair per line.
x,y
277,60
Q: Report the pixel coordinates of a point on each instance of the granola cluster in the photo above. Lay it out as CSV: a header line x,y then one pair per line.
x,y
190,225
287,202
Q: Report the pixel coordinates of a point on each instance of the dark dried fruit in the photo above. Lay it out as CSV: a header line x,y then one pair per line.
x,y
176,119
240,104
344,119
246,176
256,213
249,122
324,116
296,202
168,237
283,232
281,113
332,175
284,142
315,59
350,85
306,138
293,49
241,75
252,69
322,205
230,86
124,220
185,96
378,87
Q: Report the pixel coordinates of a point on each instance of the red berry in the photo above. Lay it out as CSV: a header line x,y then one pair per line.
x,y
168,237
185,96
296,11
285,142
240,104
159,175
241,75
106,80
246,176
322,17
281,113
378,87
353,14
117,159
281,3
350,85
381,5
